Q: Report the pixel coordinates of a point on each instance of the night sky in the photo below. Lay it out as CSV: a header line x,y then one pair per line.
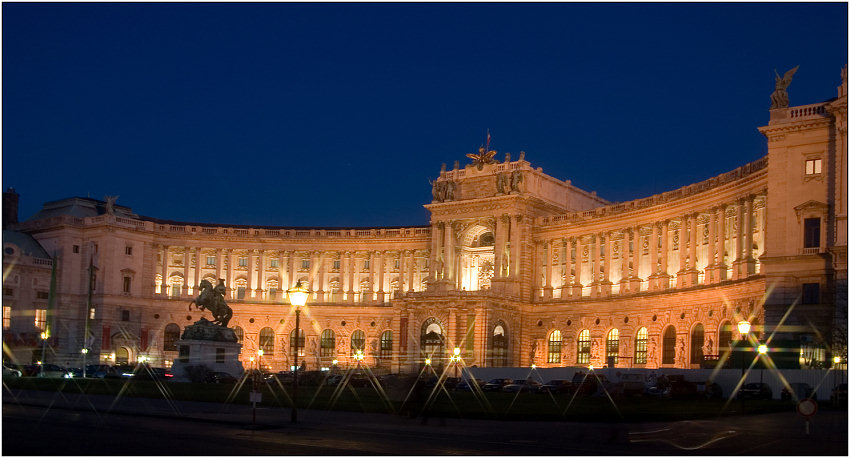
x,y
338,114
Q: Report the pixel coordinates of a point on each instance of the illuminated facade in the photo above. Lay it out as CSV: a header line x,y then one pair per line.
x,y
516,268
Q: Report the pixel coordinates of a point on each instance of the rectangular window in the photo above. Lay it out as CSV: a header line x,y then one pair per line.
x,y
336,264
811,293
127,285
210,260
219,355
92,313
128,250
396,264
8,292
240,292
305,263
811,233
7,317
75,249
366,265
243,262
125,315
176,289
813,167
275,263
272,293
41,318
41,295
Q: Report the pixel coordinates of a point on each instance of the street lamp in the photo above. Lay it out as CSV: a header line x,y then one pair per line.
x,y
85,352
44,335
456,358
297,297
743,329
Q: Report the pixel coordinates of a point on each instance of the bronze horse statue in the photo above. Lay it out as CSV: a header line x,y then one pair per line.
x,y
212,299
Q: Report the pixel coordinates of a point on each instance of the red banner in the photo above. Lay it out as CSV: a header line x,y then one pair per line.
x,y
104,346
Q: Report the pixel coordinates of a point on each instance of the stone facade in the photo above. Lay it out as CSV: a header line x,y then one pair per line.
x,y
515,268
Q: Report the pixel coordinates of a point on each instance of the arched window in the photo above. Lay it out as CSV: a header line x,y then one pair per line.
x,y
500,346
697,341
432,341
358,342
583,347
328,343
554,353
612,347
170,337
386,344
724,338
640,346
240,334
292,342
267,341
668,349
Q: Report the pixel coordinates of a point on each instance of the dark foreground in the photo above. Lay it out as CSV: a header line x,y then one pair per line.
x,y
44,423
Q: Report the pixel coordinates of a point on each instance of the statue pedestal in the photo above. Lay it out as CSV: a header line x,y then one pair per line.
x,y
208,345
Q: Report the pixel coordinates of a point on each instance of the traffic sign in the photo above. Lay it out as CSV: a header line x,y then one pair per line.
x,y
807,407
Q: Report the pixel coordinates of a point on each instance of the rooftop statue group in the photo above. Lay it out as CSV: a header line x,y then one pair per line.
x,y
779,98
212,299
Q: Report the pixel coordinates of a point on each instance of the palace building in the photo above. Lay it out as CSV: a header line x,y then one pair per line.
x,y
515,268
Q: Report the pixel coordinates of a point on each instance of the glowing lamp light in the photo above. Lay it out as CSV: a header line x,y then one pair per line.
x,y
44,335
457,351
335,362
590,368
260,352
744,327
84,351
762,349
427,361
836,360
252,359
533,366
298,294
359,355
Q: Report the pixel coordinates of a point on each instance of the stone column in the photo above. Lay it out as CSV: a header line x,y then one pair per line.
x,y
281,275
197,275
293,271
515,246
355,280
448,253
635,278
434,270
261,277
606,239
187,260
411,266
748,267
219,265
739,240
721,267
665,248
163,289
549,256
681,277
230,267
577,286
499,251
568,261
710,268
249,292
320,270
625,250
655,237
381,261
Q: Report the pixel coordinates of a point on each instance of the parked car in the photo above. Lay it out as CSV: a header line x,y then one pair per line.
x,y
220,377
496,384
556,386
681,388
798,392
755,391
587,384
520,386
9,371
633,384
152,373
469,384
838,397
97,370
709,390
45,370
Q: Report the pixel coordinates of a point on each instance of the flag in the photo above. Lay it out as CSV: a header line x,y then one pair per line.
x,y
488,139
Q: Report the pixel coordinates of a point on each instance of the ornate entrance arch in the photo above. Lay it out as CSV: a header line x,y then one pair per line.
x,y
433,341
477,257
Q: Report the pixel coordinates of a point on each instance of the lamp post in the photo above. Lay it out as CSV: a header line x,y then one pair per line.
x,y
743,329
44,336
456,359
836,360
85,352
297,297
762,349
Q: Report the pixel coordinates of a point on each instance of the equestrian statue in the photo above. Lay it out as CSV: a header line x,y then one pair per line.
x,y
212,299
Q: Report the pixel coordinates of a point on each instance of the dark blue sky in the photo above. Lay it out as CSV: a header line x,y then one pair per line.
x,y
338,114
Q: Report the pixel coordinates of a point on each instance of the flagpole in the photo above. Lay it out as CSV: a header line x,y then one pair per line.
x,y
48,325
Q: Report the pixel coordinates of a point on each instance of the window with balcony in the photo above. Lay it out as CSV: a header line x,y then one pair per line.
x,y
811,233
